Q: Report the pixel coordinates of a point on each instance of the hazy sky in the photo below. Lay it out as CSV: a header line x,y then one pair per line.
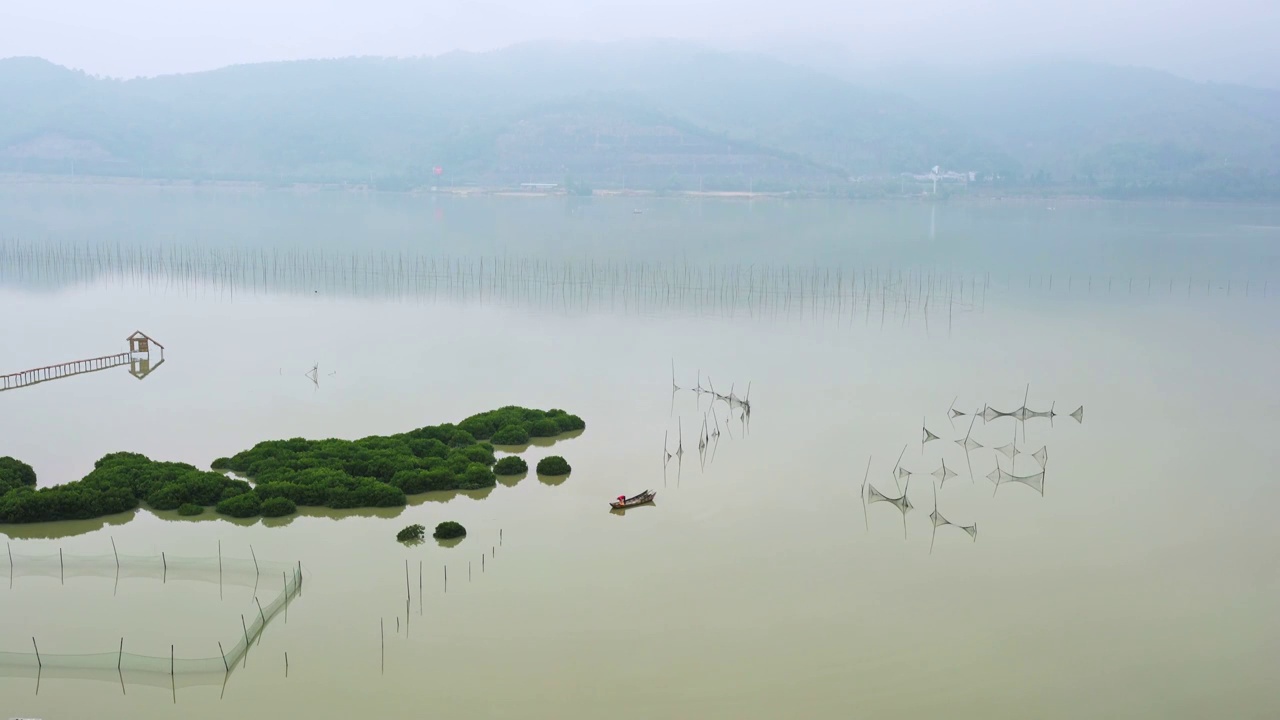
x,y
1225,39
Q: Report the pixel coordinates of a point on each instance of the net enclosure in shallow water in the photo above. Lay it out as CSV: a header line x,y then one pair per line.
x,y
223,653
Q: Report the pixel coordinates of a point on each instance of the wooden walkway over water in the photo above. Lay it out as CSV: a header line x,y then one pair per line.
x,y
16,380
138,359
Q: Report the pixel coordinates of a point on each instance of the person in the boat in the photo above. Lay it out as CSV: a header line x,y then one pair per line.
x,y
622,499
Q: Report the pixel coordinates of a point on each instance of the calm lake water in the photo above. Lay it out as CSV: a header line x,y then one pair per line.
x,y
1142,583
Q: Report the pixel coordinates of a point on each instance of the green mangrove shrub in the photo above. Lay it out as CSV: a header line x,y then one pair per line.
x,y
411,532
553,465
245,505
511,435
15,474
278,507
189,509
448,530
543,428
510,465
486,426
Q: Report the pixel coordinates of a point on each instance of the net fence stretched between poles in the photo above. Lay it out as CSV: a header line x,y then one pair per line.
x,y
224,653
578,284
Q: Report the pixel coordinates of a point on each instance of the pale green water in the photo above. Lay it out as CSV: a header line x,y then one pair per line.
x,y
1142,584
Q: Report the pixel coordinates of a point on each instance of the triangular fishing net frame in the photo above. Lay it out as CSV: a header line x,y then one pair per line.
x,y
925,435
1000,477
902,502
968,443
1041,456
939,520
1009,450
898,472
944,473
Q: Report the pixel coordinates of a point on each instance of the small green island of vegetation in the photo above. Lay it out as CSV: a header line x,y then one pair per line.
x,y
376,471
448,530
553,465
411,533
510,465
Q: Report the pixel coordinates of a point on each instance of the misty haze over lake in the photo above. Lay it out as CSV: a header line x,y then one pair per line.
x,y
944,336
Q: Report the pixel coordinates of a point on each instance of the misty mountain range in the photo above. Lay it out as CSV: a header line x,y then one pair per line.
x,y
649,115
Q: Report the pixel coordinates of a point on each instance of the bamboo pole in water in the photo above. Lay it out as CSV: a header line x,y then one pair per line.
x,y
245,628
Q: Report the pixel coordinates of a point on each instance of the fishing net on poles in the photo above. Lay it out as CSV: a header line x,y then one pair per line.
x,y
926,435
1010,451
1023,413
1000,477
902,502
944,473
939,520
1041,456
223,653
713,289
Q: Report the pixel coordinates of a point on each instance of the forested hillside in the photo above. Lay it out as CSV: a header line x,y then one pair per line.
x,y
643,115
1124,129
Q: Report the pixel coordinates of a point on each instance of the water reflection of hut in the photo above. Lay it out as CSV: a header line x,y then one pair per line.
x,y
140,364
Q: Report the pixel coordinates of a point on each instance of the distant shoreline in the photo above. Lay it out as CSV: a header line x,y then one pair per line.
x,y
983,195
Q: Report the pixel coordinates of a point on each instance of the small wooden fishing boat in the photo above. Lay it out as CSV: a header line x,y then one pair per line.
x,y
626,502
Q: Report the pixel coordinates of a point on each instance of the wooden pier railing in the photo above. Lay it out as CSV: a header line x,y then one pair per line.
x,y
139,360
16,380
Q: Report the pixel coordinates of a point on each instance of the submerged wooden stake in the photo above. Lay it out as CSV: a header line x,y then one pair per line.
x,y
39,663
114,552
255,561
62,575
120,657
223,653
286,663
264,619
